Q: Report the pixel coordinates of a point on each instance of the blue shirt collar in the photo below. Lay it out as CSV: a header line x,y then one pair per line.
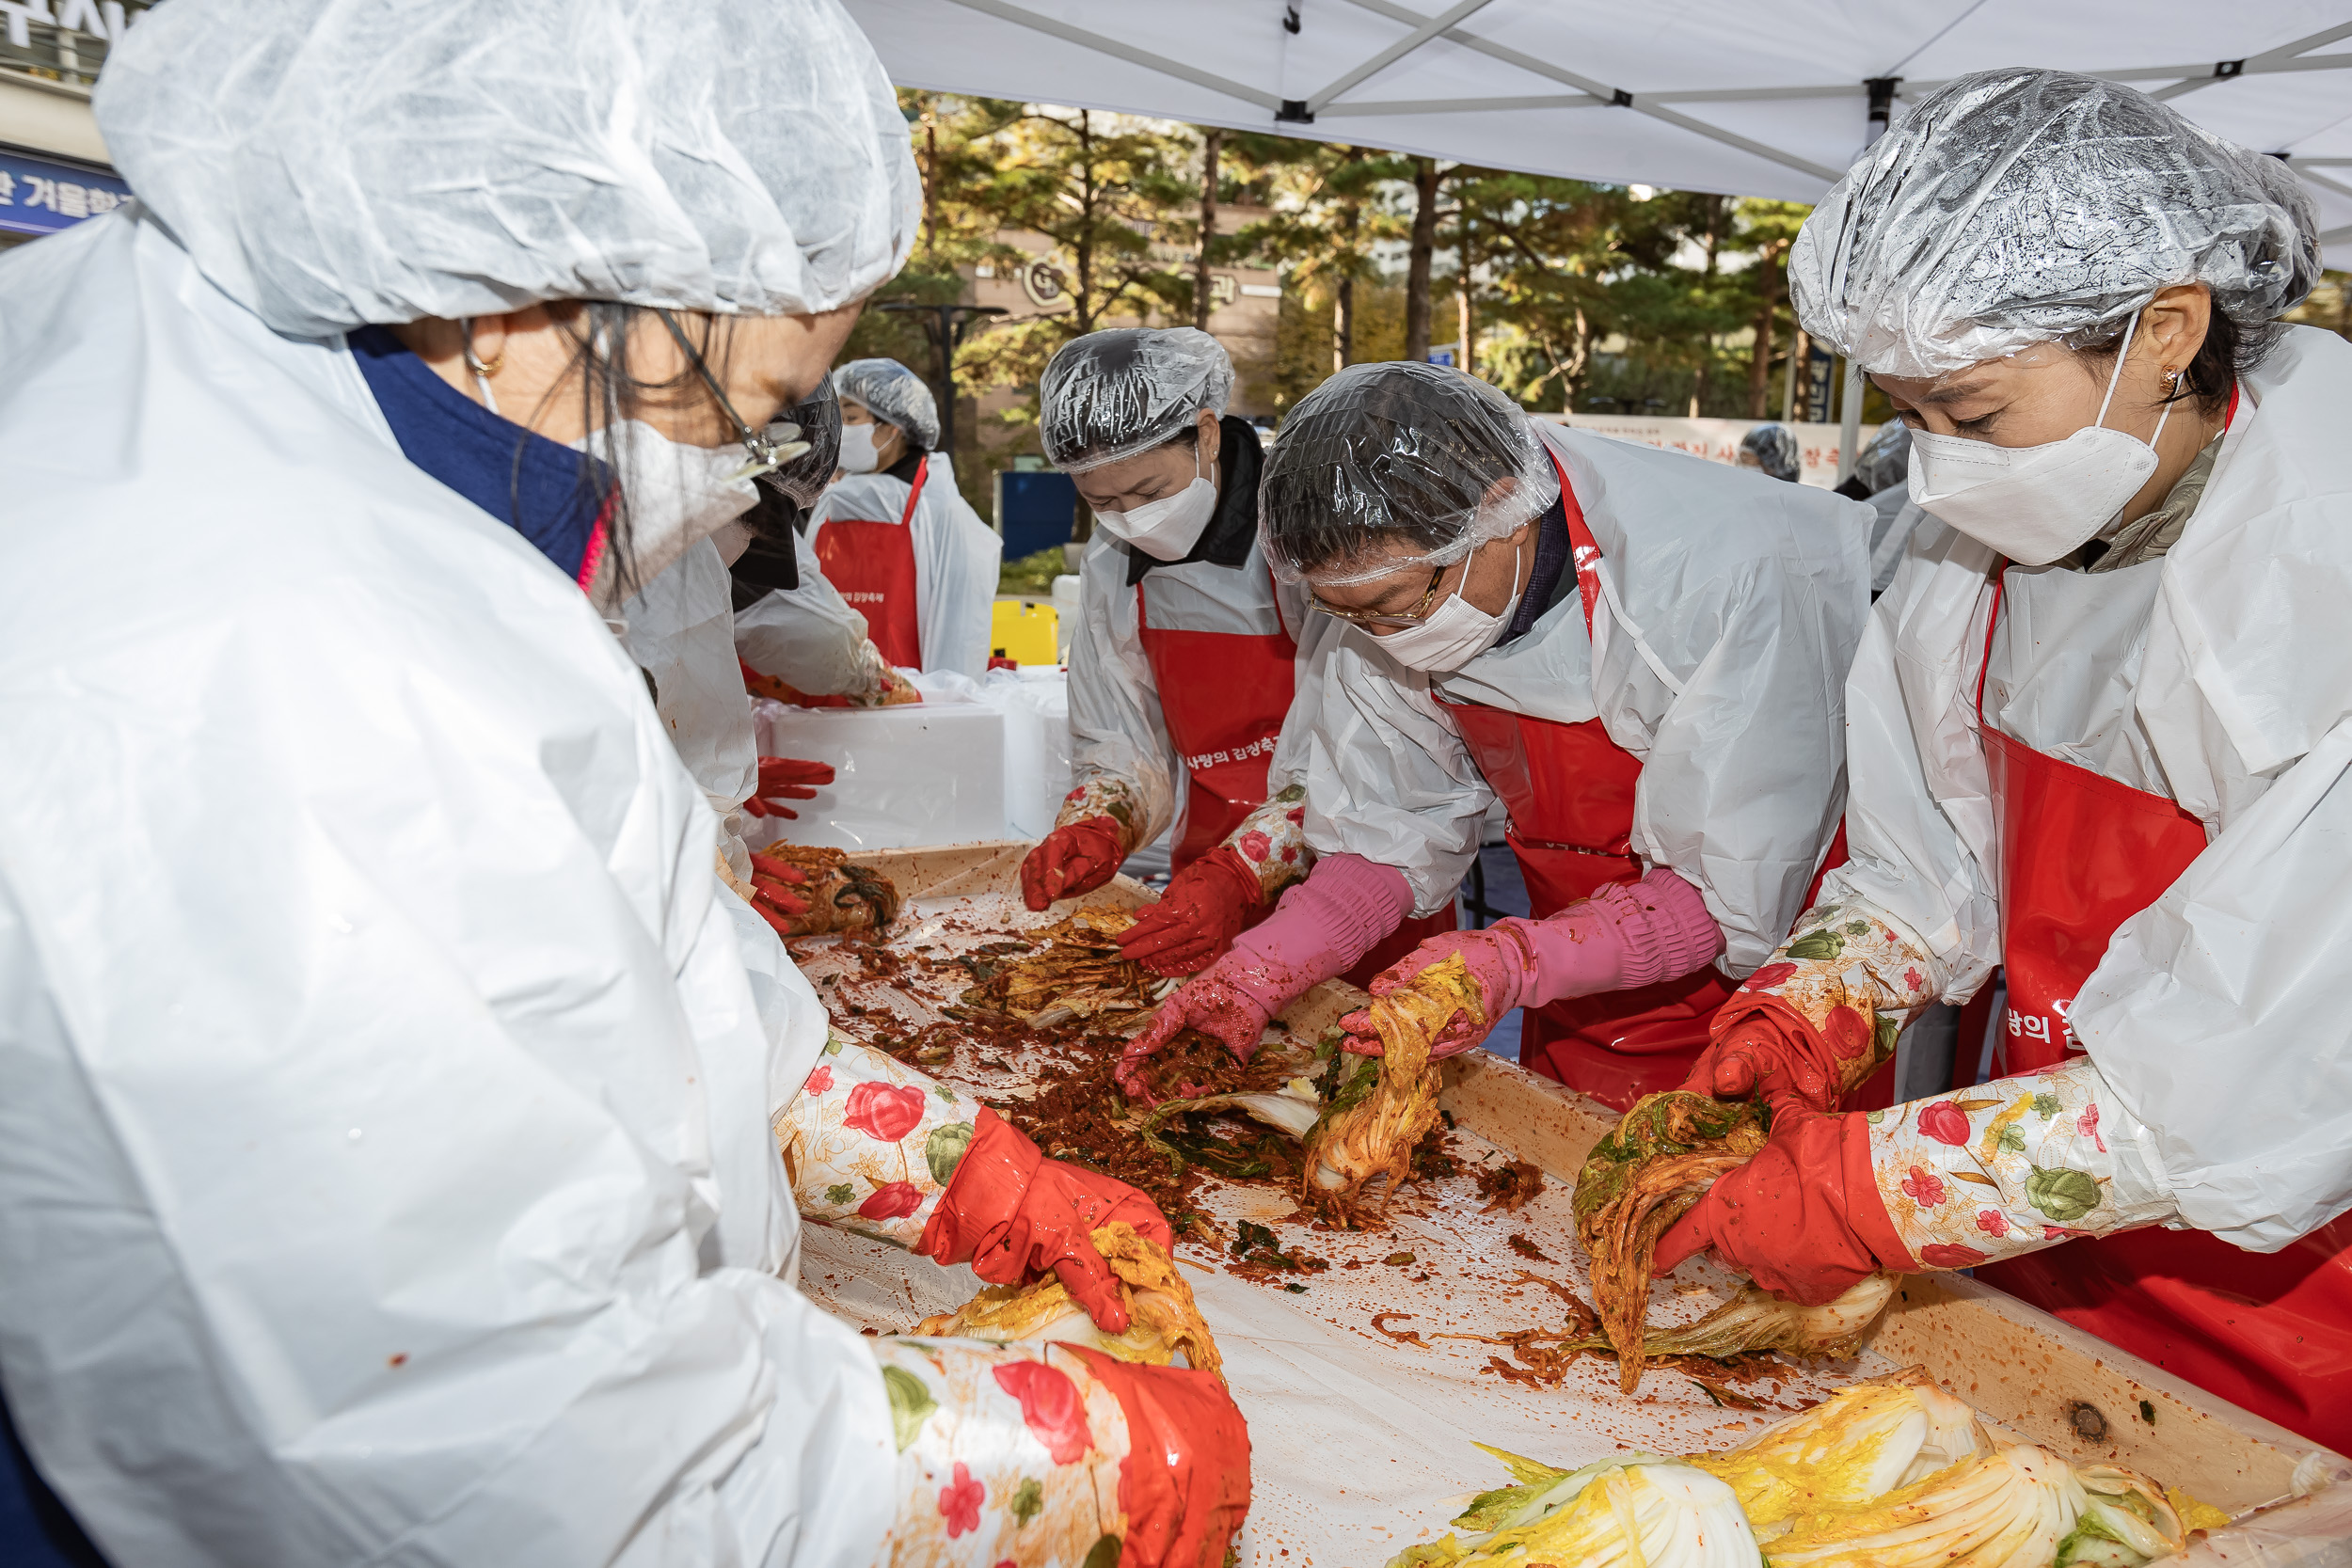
x,y
547,492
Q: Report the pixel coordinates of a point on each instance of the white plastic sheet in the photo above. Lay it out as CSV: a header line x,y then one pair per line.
x,y
1036,704
1361,1443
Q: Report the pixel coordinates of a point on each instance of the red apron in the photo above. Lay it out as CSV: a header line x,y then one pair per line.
x,y
1569,792
2080,854
872,564
1223,696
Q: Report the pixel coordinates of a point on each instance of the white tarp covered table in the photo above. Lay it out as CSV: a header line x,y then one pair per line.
x,y
1361,1443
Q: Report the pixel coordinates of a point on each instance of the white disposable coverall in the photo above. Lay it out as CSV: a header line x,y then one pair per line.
x,y
808,637
385,1170
2220,676
1117,725
681,629
1898,517
957,559
1732,606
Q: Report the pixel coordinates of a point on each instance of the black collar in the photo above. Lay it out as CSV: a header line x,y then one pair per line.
x,y
1233,527
1552,573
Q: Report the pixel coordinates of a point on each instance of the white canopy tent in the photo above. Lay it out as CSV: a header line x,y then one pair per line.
x,y
1711,95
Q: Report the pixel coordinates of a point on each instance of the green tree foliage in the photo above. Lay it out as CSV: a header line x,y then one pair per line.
x,y
1100,190
1580,294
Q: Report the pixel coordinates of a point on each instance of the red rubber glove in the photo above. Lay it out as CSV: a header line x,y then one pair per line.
x,y
1077,857
1204,908
777,895
1766,1054
1184,1484
1012,1214
784,779
1803,1219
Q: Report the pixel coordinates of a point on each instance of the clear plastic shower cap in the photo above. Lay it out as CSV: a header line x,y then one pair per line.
x,y
2017,207
1416,455
1886,460
1110,395
1775,449
332,163
894,394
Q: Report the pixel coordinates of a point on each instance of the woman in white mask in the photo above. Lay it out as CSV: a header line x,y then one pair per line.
x,y
406,1135
896,537
2100,732
1637,651
1184,660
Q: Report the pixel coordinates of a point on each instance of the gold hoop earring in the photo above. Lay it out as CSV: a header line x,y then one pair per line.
x,y
475,364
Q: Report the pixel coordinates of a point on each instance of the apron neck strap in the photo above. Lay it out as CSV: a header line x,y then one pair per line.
x,y
915,491
1583,551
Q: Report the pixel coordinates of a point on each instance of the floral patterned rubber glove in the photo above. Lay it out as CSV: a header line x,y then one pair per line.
x,y
1791,1068
1025,1456
1947,1182
1012,1214
870,1144
1812,1025
873,1146
1803,1219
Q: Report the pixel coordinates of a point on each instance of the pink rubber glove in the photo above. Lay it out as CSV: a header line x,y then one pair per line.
x,y
1323,926
1624,936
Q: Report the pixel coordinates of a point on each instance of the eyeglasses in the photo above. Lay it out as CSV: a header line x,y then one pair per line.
x,y
1385,618
767,454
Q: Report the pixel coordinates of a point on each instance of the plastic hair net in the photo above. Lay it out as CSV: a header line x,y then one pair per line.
x,y
895,394
1775,449
1886,460
1418,456
804,477
2016,207
1110,395
330,163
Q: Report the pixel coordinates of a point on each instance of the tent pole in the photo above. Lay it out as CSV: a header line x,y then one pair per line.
x,y
1850,422
1882,114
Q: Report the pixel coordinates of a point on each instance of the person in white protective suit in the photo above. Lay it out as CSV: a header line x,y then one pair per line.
x,y
896,536
681,631
796,639
2100,729
390,1165
1772,448
1881,476
1183,661
1638,651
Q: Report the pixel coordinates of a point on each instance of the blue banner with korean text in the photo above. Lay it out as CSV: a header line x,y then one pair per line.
x,y
37,197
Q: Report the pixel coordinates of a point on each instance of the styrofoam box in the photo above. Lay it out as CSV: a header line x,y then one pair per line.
x,y
1036,705
926,773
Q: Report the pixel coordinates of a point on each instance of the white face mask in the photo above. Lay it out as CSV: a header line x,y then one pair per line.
x,y
858,455
677,496
2035,505
1167,529
1457,631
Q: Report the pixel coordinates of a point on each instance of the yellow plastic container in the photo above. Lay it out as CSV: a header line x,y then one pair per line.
x,y
1026,631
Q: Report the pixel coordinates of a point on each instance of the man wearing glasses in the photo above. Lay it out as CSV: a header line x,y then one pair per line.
x,y
1642,654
